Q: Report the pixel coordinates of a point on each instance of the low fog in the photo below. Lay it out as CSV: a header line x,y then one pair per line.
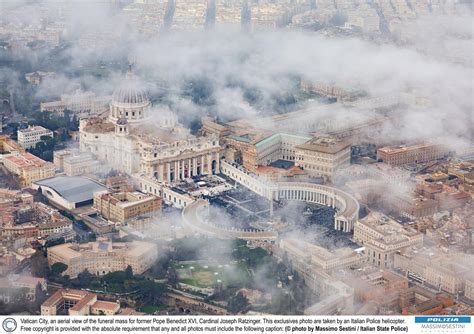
x,y
230,73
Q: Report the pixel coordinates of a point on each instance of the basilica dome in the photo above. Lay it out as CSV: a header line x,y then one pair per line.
x,y
131,91
130,99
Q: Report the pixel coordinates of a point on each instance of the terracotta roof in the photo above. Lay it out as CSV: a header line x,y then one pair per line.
x,y
68,294
27,160
55,297
274,170
83,302
103,305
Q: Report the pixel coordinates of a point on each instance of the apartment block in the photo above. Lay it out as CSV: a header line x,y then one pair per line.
x,y
124,206
29,137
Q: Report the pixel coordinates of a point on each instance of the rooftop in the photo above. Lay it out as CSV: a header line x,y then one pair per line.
x,y
35,128
29,281
73,188
134,248
26,160
285,164
66,294
103,305
404,148
325,144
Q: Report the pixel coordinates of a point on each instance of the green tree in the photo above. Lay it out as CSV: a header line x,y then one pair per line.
x,y
150,292
84,278
160,267
129,272
172,276
115,277
58,268
39,264
237,304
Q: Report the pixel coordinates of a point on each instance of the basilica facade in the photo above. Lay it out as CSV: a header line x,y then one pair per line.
x,y
136,138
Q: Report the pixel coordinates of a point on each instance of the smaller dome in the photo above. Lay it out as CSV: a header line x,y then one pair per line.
x,y
122,121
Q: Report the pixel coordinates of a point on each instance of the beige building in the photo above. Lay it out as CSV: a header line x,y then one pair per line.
x,y
30,283
8,145
77,302
103,256
402,155
27,167
383,236
30,136
125,206
322,258
443,271
335,90
469,288
315,265
323,156
76,163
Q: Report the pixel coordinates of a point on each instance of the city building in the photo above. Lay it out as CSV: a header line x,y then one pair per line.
x,y
380,286
447,197
8,261
122,207
8,145
442,271
75,163
256,149
80,103
469,288
21,219
419,301
323,156
327,260
281,172
103,256
136,138
27,167
77,302
170,195
409,205
69,192
383,237
30,284
15,285
403,155
32,230
120,182
387,173
334,90
364,17
30,136
315,265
